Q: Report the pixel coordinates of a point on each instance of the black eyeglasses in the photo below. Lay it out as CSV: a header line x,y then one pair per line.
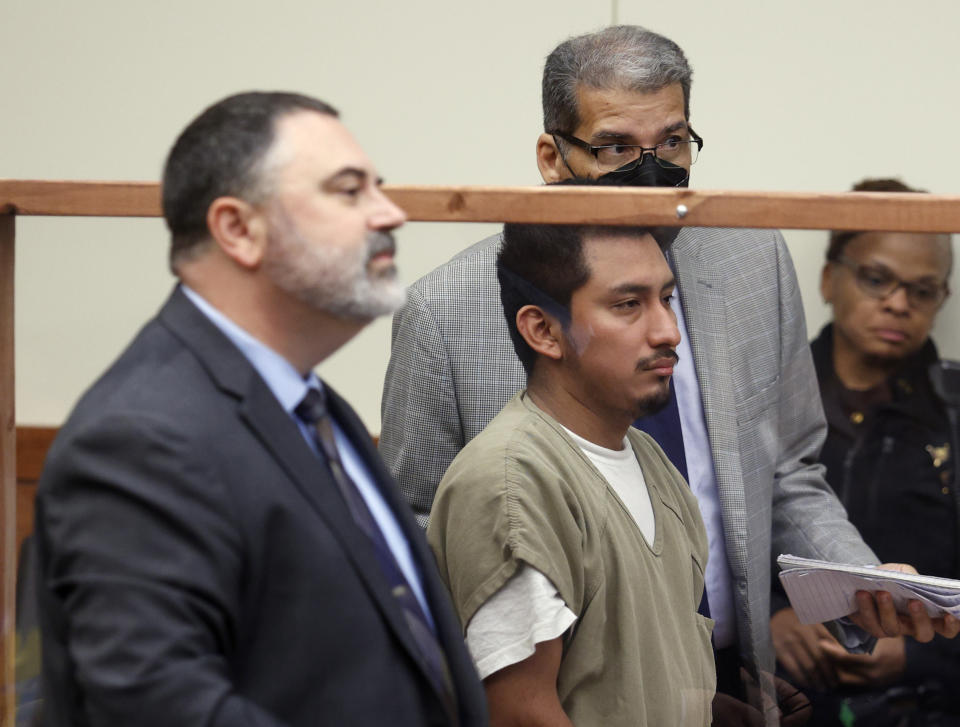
x,y
879,282
624,157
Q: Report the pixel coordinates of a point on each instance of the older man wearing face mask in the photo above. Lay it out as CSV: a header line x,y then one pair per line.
x,y
743,427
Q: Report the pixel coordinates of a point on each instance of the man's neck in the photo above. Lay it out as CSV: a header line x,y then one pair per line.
x,y
299,333
582,417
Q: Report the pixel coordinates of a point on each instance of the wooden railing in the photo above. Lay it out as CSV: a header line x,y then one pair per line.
x,y
615,206
886,211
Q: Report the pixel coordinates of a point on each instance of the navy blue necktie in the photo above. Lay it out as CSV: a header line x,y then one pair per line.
x,y
664,427
313,411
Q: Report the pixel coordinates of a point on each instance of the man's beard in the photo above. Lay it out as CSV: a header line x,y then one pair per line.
x,y
640,407
333,280
657,400
652,403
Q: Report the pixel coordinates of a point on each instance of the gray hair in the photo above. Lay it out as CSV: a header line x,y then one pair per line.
x,y
624,57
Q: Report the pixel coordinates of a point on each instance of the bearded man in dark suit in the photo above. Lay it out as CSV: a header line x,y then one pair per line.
x,y
219,542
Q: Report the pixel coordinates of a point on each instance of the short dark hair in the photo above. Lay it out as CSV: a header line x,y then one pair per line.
x,y
543,265
839,239
539,265
221,153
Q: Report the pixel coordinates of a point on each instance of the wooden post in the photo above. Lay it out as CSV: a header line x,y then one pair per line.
x,y
8,476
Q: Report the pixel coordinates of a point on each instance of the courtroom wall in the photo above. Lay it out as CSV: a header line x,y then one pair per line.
x,y
790,96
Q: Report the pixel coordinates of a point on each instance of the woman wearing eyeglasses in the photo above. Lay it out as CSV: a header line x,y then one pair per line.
x,y
888,457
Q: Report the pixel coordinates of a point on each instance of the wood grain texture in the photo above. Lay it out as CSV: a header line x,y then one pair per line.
x,y
26,495
32,446
8,482
614,205
84,199
634,206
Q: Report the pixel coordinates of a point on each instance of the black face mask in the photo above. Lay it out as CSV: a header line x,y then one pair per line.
x,y
648,173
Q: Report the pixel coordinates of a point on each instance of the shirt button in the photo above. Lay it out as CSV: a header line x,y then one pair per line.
x,y
857,417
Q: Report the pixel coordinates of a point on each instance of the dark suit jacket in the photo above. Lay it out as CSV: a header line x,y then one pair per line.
x,y
199,568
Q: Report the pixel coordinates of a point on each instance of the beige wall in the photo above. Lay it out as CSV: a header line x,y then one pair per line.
x,y
794,96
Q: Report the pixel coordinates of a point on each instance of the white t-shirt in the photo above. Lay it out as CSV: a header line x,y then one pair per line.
x,y
528,610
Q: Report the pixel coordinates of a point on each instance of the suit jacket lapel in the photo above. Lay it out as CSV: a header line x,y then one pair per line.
x,y
260,410
702,296
447,624
282,438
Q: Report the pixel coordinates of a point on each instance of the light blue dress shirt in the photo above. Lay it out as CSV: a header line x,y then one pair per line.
x,y
289,388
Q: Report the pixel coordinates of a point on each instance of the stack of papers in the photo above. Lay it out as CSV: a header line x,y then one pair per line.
x,y
820,591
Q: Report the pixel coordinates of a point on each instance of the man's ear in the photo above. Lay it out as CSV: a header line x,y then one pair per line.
x,y
826,283
552,167
239,229
541,331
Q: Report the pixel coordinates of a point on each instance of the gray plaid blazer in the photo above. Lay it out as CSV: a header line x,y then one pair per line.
x,y
453,367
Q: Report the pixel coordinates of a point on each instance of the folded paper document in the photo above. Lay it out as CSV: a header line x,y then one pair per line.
x,y
820,591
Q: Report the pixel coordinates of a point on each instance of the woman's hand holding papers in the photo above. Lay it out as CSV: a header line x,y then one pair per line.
x,y
877,615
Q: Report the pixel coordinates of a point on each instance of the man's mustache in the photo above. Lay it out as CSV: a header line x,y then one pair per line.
x,y
657,357
380,242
